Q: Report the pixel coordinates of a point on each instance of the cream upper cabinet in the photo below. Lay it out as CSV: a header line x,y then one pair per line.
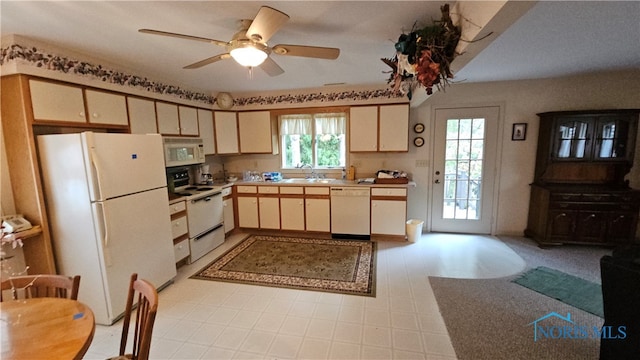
x,y
254,128
394,127
142,116
106,108
168,120
205,122
55,102
188,120
379,128
363,128
226,132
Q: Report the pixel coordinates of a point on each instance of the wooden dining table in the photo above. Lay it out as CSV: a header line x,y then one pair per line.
x,y
45,328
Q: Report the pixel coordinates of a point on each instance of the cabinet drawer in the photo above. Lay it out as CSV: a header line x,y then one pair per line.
x,y
596,197
633,198
388,192
292,190
565,197
226,191
268,189
179,227
567,205
181,249
246,189
177,207
314,190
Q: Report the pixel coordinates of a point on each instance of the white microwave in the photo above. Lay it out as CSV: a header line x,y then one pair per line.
x,y
181,151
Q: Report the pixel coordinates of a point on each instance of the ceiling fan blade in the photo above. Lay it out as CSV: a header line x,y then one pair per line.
x,y
270,67
207,61
307,51
181,36
266,23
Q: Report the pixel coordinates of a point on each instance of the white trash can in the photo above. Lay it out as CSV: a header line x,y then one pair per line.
x,y
414,229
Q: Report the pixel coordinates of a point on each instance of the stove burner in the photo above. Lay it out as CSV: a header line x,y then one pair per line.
x,y
204,188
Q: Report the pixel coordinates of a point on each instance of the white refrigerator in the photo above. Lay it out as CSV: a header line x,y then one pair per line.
x,y
106,196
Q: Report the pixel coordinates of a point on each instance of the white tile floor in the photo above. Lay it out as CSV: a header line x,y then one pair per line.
x,y
199,319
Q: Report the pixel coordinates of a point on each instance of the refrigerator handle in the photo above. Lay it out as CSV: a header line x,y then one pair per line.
x,y
96,179
104,234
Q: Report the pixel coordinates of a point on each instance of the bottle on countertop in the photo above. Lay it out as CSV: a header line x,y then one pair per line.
x,y
351,175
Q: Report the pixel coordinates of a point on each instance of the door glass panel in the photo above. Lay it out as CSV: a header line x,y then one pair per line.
x,y
463,169
572,140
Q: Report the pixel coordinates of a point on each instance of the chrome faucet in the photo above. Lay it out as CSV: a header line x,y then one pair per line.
x,y
311,175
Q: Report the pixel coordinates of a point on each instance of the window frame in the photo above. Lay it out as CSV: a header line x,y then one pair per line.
x,y
312,111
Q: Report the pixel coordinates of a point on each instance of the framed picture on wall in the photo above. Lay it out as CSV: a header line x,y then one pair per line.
x,y
519,132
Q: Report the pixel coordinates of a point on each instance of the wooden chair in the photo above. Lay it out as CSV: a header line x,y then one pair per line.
x,y
147,300
43,285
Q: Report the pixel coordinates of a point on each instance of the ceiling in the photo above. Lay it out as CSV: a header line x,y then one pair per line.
x,y
550,40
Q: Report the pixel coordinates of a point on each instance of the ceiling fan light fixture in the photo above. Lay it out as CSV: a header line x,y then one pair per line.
x,y
248,56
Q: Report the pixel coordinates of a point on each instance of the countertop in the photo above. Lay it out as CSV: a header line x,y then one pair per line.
x,y
320,182
173,198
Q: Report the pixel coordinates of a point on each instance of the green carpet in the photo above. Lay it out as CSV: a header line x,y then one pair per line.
x,y
569,289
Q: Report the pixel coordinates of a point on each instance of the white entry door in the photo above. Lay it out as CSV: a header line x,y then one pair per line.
x,y
465,143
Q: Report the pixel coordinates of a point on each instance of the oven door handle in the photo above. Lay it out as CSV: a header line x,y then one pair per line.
x,y
200,236
206,198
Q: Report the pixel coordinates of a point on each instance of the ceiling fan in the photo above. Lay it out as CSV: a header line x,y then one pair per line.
x,y
249,45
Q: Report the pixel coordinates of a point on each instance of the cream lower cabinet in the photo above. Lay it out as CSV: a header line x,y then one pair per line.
x,y
292,208
179,230
228,210
269,207
318,215
317,209
248,212
247,200
388,211
269,212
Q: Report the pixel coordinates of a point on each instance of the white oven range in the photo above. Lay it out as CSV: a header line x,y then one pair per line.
x,y
204,216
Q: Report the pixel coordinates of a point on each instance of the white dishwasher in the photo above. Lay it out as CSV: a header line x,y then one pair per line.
x,y
350,212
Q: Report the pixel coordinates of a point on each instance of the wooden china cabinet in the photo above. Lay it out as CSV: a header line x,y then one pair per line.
x,y
579,194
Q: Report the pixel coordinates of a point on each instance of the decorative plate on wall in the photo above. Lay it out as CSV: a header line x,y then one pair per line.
x,y
418,128
418,141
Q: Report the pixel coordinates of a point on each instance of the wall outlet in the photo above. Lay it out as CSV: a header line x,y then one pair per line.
x,y
422,163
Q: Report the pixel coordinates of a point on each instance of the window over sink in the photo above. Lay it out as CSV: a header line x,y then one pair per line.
x,y
316,140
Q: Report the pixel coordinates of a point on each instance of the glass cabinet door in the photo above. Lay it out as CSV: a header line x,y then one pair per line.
x,y
611,138
572,139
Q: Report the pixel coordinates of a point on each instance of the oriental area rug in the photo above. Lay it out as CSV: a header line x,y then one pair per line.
x,y
340,266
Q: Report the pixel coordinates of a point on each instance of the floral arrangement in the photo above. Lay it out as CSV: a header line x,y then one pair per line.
x,y
8,239
423,56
